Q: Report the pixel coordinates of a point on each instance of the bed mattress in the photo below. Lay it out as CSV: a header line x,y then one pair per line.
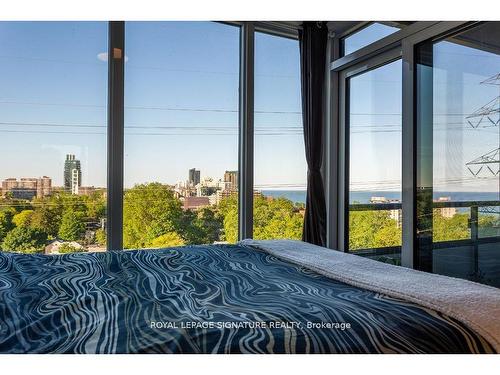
x,y
207,299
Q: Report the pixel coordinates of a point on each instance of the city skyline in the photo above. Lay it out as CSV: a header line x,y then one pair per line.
x,y
181,107
53,101
201,178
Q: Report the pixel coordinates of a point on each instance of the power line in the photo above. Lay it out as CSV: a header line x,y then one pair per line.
x,y
136,107
103,64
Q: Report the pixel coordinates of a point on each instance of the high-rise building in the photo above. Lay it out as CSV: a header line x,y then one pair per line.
x,y
194,177
75,181
231,180
69,165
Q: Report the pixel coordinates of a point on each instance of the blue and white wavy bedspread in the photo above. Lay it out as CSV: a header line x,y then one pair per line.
x,y
144,301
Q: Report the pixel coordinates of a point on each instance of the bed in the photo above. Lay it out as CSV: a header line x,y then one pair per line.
x,y
252,297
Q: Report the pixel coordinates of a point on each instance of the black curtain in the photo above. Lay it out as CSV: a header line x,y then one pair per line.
x,y
313,38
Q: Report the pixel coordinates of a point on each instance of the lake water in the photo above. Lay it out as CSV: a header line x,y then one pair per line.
x,y
299,196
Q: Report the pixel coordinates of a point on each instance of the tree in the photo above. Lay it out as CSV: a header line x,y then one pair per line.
x,y
372,229
66,248
228,208
100,237
450,228
211,223
23,218
273,218
25,240
6,222
96,206
47,218
74,203
169,239
489,225
45,214
72,226
149,211
202,226
276,218
188,228
388,236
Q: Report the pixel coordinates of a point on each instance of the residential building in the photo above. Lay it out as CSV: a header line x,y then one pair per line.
x,y
231,180
394,214
194,177
27,188
446,212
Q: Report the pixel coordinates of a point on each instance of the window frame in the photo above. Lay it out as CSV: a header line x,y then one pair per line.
x,y
344,132
421,262
402,42
115,132
356,29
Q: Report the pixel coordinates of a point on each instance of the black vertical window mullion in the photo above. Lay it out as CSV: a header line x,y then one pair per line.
x,y
116,61
246,131
424,158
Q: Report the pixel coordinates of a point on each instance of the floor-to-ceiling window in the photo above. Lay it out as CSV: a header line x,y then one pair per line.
x,y
458,180
279,156
53,90
181,133
181,94
374,166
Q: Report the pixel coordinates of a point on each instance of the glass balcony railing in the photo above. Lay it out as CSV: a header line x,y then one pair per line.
x,y
375,231
464,236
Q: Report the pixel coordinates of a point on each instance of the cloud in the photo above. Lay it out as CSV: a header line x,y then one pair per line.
x,y
103,56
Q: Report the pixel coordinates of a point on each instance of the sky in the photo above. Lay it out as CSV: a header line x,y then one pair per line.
x,y
181,102
458,92
367,35
375,129
376,123
181,106
53,99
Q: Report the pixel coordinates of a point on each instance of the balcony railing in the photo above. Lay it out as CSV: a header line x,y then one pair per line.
x,y
475,207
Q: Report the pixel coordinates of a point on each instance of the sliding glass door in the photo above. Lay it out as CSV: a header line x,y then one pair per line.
x,y
280,168
458,140
373,166
419,151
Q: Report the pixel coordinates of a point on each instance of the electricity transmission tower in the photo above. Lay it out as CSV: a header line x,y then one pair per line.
x,y
490,161
489,116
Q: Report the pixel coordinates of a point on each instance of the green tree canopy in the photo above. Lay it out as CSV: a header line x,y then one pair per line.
x,y
23,218
228,208
6,222
100,237
95,205
276,218
72,226
149,211
202,226
273,218
450,228
47,218
372,229
169,239
25,240
66,248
